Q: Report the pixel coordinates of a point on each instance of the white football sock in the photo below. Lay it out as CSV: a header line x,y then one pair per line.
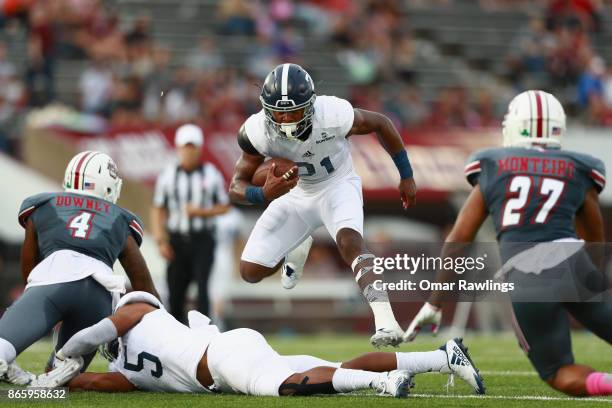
x,y
7,351
347,380
423,362
302,363
383,315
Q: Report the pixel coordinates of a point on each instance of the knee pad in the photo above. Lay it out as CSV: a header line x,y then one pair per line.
x,y
304,388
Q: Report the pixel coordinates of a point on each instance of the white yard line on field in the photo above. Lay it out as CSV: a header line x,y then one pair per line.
x,y
513,397
510,373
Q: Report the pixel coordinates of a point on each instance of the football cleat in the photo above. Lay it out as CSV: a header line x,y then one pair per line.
x,y
396,383
16,375
461,364
387,337
64,371
292,269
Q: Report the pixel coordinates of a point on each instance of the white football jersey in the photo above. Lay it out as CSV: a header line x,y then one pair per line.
x,y
161,354
324,156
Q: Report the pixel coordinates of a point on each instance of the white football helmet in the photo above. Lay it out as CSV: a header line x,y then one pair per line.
x,y
94,174
534,117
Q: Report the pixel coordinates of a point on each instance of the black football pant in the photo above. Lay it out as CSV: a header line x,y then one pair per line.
x,y
193,259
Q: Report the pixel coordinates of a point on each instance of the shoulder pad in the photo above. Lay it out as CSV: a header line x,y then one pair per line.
x,y
595,169
139,297
473,165
244,142
30,204
136,225
255,132
332,111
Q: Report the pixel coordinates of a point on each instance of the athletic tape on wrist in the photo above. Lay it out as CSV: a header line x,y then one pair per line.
x,y
361,258
362,272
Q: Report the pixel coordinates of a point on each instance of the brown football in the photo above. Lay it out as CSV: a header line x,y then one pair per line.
x,y
282,166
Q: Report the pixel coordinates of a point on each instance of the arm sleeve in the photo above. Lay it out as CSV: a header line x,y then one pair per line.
x,y
135,226
29,205
87,340
160,196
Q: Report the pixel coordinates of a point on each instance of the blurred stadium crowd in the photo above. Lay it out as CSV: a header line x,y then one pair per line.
x,y
132,75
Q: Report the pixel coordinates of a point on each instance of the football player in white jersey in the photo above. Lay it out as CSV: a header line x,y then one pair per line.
x,y
155,352
323,188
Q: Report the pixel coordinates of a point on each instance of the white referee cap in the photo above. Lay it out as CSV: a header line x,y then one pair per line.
x,y
189,134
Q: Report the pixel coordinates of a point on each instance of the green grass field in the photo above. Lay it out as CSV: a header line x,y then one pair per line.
x,y
510,380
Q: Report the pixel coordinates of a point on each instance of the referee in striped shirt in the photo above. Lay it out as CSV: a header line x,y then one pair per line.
x,y
188,197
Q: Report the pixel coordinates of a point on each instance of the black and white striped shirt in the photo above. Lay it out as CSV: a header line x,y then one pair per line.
x,y
203,187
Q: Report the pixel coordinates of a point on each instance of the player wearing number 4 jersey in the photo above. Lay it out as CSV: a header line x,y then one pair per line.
x,y
322,190
538,193
72,240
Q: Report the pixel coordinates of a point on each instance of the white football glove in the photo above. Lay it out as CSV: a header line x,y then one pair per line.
x,y
64,371
429,314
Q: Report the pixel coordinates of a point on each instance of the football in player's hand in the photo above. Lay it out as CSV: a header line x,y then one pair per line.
x,y
282,166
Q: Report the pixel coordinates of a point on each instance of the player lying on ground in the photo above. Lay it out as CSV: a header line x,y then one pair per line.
x,y
313,132
157,353
550,199
72,239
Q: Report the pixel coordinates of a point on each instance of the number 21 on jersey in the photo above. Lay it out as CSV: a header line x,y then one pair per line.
x,y
80,225
550,190
309,169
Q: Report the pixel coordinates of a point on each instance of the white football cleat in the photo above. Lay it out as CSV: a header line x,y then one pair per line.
x,y
64,371
387,337
293,267
396,383
16,375
461,364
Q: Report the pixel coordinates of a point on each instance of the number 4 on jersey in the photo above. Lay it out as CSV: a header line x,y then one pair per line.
x,y
550,188
80,225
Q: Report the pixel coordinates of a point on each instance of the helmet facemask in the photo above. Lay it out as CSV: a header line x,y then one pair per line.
x,y
290,130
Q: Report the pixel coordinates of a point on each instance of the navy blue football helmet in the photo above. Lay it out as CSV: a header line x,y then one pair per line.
x,y
289,88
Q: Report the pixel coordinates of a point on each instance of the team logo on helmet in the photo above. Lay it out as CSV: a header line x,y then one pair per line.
x,y
112,170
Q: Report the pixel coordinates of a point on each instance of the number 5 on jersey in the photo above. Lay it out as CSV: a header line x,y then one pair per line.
x,y
551,189
80,225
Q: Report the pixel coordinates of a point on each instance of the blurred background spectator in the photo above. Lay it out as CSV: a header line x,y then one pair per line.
x,y
120,75
423,63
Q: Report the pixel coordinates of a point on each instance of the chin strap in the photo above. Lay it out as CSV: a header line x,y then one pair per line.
x,y
288,129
